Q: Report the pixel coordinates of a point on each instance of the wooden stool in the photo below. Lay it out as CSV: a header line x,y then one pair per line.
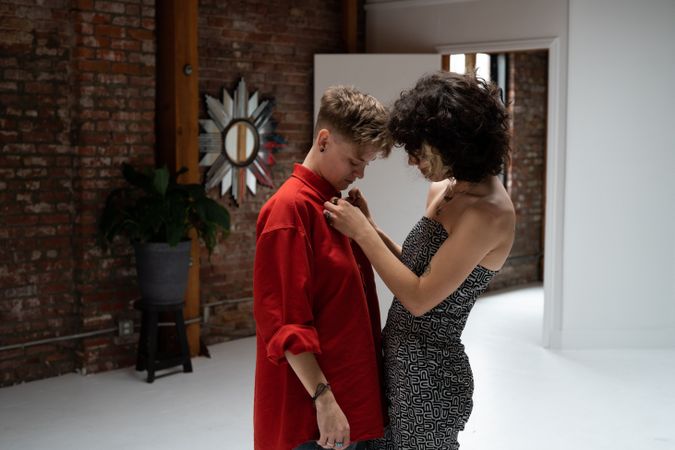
x,y
147,357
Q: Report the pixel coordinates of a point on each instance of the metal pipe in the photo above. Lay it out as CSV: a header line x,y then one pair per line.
x,y
59,338
201,319
226,302
206,307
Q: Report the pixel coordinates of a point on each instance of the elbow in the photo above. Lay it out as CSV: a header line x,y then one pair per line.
x,y
416,312
414,308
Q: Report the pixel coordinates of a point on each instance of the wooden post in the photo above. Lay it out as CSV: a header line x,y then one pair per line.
x,y
177,129
350,29
470,62
445,63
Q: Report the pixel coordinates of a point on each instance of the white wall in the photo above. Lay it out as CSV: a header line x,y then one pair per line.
x,y
619,247
617,62
419,29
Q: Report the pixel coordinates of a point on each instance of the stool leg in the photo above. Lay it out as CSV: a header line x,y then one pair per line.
x,y
142,351
153,317
182,337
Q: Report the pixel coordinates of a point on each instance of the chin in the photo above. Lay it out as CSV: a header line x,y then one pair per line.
x,y
433,177
426,175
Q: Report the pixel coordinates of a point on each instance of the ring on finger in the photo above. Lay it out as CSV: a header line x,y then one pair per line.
x,y
339,444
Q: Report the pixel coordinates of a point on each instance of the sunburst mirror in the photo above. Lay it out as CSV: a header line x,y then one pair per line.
x,y
238,142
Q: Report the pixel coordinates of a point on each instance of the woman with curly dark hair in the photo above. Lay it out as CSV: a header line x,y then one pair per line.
x,y
455,130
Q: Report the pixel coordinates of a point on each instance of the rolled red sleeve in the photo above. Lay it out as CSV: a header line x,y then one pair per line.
x,y
295,339
282,294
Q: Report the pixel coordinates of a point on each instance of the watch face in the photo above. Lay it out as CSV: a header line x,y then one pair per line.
x,y
238,142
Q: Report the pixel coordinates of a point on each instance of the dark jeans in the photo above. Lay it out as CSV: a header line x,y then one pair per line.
x,y
312,445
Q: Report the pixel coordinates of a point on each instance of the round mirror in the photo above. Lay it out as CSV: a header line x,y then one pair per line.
x,y
241,143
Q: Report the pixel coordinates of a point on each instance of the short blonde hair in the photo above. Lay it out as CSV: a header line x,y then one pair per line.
x,y
359,117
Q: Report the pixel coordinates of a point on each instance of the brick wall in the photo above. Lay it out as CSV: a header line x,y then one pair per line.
x,y
77,98
114,102
36,192
526,178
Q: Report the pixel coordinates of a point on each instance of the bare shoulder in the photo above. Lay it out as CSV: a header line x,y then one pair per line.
x,y
436,189
494,212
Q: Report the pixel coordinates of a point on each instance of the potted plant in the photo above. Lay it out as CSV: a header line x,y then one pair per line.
x,y
156,214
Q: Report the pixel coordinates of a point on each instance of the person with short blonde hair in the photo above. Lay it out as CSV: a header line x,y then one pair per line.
x,y
318,363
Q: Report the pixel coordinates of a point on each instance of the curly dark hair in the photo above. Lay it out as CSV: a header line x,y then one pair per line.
x,y
460,116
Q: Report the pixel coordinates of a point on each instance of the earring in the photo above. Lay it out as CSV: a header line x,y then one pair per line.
x,y
322,149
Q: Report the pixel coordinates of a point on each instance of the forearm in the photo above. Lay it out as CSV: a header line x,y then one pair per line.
x,y
400,280
391,245
307,369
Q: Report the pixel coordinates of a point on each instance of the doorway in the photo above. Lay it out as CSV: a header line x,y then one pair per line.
x,y
523,80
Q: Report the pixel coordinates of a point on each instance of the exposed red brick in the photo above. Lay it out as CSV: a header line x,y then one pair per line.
x,y
94,66
109,31
61,81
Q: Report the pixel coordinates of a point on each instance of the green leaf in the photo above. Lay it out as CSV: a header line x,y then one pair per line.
x,y
217,213
195,191
174,234
160,180
136,178
155,208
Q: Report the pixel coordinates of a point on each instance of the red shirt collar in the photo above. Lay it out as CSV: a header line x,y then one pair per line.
x,y
314,181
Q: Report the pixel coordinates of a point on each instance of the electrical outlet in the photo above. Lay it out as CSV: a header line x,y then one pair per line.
x,y
125,327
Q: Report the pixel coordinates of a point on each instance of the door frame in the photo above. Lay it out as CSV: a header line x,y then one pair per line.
x,y
555,169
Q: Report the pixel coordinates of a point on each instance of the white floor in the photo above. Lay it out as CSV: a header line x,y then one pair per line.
x,y
526,398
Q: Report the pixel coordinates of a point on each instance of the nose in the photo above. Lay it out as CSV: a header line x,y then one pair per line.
x,y
360,172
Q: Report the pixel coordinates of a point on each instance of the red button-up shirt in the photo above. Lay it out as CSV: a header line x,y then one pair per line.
x,y
313,292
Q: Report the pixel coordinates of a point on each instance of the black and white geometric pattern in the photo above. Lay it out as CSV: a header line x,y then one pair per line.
x,y
428,379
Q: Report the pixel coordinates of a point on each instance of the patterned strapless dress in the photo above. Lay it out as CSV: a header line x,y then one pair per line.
x,y
428,379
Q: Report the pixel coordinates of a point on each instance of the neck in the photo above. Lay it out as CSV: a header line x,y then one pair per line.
x,y
471,188
311,161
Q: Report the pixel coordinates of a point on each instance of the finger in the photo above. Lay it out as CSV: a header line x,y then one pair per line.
x,y
341,444
345,441
323,443
330,207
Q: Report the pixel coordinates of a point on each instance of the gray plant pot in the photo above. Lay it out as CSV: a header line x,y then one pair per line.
x,y
162,272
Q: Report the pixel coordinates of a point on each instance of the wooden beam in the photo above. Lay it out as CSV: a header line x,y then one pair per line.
x,y
350,25
445,63
177,129
470,62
